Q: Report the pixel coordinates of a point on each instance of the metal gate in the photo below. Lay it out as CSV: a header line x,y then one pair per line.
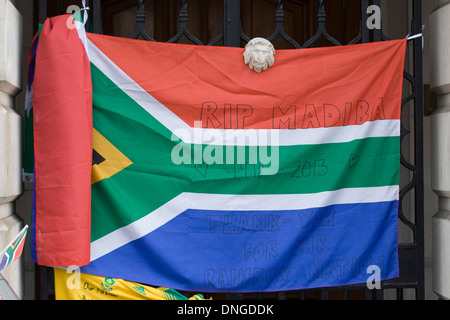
x,y
411,253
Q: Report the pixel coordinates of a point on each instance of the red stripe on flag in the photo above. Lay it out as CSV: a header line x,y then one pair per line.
x,y
318,87
63,146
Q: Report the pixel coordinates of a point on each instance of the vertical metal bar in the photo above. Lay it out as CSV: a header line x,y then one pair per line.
x,y
303,295
60,6
368,294
279,28
379,294
365,34
42,10
86,24
377,32
321,29
399,293
43,283
140,20
97,17
418,132
183,30
232,23
346,295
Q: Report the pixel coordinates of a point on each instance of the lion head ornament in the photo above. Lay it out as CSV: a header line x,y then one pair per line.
x,y
259,54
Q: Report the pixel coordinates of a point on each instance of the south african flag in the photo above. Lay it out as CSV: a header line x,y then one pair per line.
x,y
177,166
13,251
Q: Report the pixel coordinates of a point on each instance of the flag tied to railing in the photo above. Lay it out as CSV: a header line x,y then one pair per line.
x,y
177,166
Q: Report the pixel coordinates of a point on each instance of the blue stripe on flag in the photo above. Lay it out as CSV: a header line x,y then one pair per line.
x,y
33,225
239,251
30,81
4,261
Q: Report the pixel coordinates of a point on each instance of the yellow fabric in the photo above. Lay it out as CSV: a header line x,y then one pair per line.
x,y
81,286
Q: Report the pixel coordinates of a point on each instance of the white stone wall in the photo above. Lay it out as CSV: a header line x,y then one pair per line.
x,y
10,135
440,146
24,202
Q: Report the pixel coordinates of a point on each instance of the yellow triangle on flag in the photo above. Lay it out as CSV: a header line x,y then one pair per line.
x,y
115,161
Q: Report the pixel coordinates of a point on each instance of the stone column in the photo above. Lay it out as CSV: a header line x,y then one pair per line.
x,y
10,135
440,146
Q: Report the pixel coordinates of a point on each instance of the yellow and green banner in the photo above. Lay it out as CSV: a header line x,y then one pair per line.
x,y
82,286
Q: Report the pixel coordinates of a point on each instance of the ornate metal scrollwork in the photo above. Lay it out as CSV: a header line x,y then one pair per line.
x,y
140,19
183,16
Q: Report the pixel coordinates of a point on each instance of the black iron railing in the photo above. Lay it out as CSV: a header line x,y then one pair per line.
x,y
411,254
